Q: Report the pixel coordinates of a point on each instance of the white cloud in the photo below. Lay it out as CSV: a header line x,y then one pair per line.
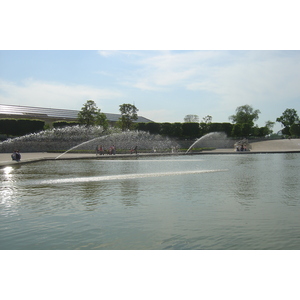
x,y
167,69
49,94
236,77
107,53
160,115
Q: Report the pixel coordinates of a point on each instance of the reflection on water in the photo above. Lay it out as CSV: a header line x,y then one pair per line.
x,y
192,202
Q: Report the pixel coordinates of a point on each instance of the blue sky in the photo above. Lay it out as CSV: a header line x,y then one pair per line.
x,y
164,85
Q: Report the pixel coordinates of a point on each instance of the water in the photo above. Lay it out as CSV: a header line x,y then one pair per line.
x,y
87,138
248,201
212,139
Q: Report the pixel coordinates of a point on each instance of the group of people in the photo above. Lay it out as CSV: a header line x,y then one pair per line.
x,y
101,151
241,148
112,150
16,155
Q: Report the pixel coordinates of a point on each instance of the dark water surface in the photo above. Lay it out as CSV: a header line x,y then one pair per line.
x,y
248,201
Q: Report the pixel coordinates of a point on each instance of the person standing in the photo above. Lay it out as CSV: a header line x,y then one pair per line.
x,y
101,150
18,156
13,156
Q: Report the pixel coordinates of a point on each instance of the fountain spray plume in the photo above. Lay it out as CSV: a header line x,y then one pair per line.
x,y
54,139
212,139
126,140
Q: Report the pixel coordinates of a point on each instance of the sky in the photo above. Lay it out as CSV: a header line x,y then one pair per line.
x,y
164,85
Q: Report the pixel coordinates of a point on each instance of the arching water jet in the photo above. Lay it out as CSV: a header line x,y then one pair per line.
x,y
214,139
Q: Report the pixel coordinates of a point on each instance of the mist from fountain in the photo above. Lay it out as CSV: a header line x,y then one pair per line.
x,y
127,140
55,139
86,138
212,139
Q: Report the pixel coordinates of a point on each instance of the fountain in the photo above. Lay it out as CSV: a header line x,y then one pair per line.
x,y
83,138
212,139
124,141
56,139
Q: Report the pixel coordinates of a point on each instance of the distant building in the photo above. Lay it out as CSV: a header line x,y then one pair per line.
x,y
50,115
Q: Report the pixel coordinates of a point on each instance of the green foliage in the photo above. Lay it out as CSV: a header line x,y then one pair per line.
x,y
245,115
190,130
246,130
287,119
128,116
215,127
60,124
166,129
227,128
236,130
295,130
204,128
286,130
90,115
177,129
142,126
153,128
269,127
19,127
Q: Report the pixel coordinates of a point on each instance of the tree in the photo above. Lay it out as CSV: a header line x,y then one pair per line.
x,y
295,129
128,116
245,115
236,130
191,119
246,129
207,119
90,115
269,127
288,118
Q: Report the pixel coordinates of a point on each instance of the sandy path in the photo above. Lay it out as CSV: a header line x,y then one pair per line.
x,y
277,145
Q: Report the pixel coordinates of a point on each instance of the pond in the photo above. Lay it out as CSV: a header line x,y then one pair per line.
x,y
248,201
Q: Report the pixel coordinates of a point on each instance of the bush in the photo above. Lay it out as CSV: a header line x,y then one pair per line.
x,y
61,124
153,128
190,130
19,127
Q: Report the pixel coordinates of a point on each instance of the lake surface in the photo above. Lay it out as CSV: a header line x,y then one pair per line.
x,y
242,201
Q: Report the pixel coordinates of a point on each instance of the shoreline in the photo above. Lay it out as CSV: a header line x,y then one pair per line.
x,y
263,147
33,157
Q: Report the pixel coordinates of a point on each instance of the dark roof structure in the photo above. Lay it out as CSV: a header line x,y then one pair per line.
x,y
17,111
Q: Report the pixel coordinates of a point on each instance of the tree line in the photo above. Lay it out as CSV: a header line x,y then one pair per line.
x,y
242,124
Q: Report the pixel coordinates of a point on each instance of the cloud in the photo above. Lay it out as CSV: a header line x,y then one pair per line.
x,y
51,94
255,80
236,77
107,53
167,69
159,115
